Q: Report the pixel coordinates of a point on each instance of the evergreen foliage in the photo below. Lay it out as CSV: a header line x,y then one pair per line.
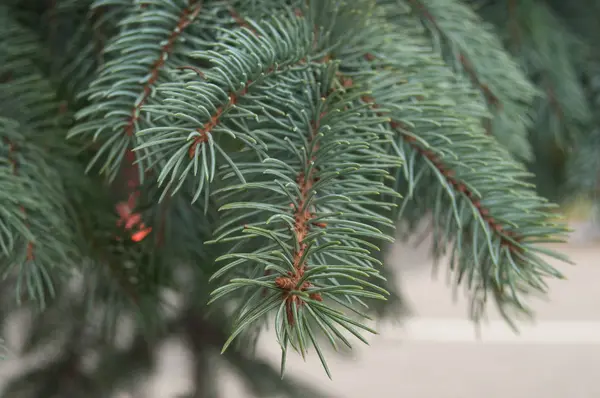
x,y
254,158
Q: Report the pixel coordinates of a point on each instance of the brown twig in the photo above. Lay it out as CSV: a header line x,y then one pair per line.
x,y
129,218
505,235
206,129
187,17
303,216
210,125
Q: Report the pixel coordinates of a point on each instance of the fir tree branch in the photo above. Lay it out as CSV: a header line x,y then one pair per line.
x,y
552,55
474,189
129,77
491,98
302,122
298,225
35,237
37,224
193,115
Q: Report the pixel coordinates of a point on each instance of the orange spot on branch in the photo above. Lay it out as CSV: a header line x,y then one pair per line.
x,y
30,252
141,234
128,218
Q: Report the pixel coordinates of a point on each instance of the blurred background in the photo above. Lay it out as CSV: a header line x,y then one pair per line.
x,y
434,351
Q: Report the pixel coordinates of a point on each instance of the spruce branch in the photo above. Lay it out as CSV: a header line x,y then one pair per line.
x,y
195,112
554,56
548,48
131,73
37,226
306,222
35,235
473,188
287,138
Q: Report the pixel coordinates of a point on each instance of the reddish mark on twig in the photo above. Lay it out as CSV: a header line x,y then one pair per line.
x,y
128,218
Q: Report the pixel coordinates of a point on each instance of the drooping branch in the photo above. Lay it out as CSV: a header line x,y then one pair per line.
x,y
459,186
472,48
506,236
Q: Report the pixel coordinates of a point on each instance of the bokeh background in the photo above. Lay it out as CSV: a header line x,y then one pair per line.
x,y
435,352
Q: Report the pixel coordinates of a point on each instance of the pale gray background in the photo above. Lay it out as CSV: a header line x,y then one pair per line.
x,y
436,353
